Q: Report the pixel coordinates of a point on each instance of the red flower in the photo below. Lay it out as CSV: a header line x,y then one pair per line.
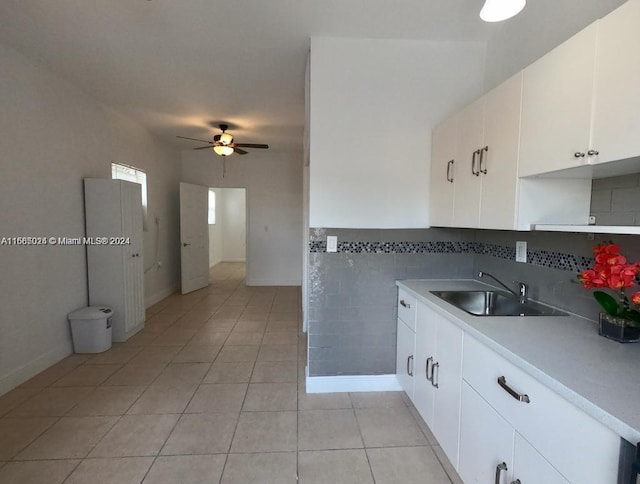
x,y
610,249
591,279
621,276
635,298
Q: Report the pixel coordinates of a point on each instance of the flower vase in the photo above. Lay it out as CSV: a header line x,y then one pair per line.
x,y
617,329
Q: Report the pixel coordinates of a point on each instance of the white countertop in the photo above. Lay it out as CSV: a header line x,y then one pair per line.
x,y
600,376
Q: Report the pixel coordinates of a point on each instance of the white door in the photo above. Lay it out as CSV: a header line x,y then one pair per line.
x,y
467,181
425,354
443,166
405,357
194,236
556,106
500,168
486,442
446,408
616,117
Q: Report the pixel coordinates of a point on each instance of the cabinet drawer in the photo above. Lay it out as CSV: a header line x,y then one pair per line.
x,y
581,448
407,308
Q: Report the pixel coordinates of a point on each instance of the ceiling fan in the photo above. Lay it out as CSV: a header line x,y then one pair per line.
x,y
224,145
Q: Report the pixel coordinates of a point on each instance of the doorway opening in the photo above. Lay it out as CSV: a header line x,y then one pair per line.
x,y
227,229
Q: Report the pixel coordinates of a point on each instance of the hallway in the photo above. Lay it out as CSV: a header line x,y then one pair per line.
x,y
211,391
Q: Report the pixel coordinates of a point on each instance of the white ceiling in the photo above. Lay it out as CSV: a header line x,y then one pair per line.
x,y
176,66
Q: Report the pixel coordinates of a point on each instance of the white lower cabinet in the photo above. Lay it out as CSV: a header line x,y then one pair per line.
x,y
492,451
438,375
406,346
490,417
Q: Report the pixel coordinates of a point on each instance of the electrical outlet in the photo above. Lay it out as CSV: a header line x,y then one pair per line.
x,y
521,251
332,243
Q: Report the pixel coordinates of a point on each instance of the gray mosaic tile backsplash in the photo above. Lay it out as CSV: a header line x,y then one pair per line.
x,y
352,293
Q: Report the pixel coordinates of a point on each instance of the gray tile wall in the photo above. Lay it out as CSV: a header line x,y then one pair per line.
x,y
616,200
352,297
557,287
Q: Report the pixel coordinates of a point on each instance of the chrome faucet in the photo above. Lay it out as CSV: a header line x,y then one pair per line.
x,y
523,290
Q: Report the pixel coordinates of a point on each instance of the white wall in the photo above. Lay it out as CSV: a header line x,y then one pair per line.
x,y
227,238
541,26
53,135
373,105
274,207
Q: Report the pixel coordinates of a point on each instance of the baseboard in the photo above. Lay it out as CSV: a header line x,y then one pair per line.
x,y
31,369
269,282
352,383
159,296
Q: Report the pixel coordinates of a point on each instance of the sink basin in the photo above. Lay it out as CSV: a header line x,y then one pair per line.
x,y
495,303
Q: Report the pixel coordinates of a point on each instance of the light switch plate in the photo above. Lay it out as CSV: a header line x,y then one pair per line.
x,y
332,243
521,251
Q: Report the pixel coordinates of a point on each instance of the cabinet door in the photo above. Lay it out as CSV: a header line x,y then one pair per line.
x,y
443,166
486,441
616,117
448,376
425,355
556,106
405,361
500,161
467,185
530,466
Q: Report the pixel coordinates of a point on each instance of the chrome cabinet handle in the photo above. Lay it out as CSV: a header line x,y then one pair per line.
x,y
578,154
426,374
405,304
410,360
593,152
502,381
434,380
482,159
449,175
517,481
184,244
473,163
499,468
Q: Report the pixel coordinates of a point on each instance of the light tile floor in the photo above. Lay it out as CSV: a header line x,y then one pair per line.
x,y
211,391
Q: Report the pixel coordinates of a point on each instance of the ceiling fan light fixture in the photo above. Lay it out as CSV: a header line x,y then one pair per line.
x,y
499,10
223,150
226,139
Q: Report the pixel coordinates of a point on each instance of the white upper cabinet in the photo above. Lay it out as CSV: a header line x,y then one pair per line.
x,y
616,101
467,184
499,170
556,106
443,165
475,162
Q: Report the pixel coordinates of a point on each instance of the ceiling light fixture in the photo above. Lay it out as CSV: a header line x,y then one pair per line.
x,y
226,139
223,150
499,10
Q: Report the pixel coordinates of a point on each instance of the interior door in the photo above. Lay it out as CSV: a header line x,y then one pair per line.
x,y
194,237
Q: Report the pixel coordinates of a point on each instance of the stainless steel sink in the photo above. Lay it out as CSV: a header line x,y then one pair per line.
x,y
495,303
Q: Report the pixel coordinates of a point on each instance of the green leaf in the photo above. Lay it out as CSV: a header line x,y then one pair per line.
x,y
607,301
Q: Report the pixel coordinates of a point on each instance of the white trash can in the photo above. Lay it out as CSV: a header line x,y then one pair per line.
x,y
91,329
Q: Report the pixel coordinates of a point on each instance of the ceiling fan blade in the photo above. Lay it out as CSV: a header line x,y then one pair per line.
x,y
239,151
204,147
251,145
194,139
